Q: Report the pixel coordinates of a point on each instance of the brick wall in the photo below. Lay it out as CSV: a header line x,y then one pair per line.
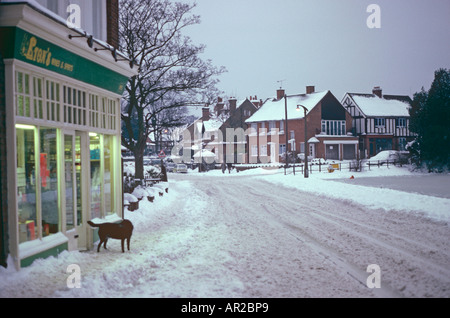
x,y
112,16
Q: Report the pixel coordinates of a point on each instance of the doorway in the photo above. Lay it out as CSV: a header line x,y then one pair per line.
x,y
75,191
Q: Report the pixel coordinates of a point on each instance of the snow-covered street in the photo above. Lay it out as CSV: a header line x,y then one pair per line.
x,y
263,234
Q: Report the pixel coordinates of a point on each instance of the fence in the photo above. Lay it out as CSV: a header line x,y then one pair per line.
x,y
355,165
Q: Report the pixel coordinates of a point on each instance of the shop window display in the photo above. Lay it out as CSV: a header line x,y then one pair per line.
x,y
26,183
49,180
96,206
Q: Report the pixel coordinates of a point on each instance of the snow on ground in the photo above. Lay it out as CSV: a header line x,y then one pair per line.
x,y
403,189
247,235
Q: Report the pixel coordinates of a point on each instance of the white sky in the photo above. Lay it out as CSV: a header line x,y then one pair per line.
x,y
325,43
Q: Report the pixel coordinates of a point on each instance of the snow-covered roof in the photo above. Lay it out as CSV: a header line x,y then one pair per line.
x,y
213,124
372,105
204,153
274,109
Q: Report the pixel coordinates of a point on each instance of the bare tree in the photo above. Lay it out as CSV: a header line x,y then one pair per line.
x,y
171,73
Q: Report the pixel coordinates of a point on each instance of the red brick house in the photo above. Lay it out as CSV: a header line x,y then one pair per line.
x,y
329,128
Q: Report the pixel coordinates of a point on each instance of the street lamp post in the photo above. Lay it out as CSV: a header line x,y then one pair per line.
x,y
286,133
306,141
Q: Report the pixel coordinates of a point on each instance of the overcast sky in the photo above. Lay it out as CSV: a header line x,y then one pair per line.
x,y
325,43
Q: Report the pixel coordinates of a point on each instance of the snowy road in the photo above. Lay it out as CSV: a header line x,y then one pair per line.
x,y
236,236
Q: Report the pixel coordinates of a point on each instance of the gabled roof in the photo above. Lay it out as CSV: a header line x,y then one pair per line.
x,y
388,106
274,109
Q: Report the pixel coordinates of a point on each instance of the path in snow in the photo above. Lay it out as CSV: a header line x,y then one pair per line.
x,y
235,236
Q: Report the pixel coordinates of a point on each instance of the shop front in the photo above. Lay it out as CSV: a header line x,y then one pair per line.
x,y
62,110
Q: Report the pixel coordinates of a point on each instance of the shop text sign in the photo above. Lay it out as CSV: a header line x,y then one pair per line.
x,y
40,54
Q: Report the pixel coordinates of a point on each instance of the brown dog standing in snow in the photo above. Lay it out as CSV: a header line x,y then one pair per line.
x,y
119,231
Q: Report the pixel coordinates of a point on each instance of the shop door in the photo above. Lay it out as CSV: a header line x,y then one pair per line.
x,y
70,194
74,190
81,184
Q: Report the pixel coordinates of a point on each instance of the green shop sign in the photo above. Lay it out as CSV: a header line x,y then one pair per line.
x,y
19,44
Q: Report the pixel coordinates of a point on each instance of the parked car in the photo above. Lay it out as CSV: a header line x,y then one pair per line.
x,y
170,167
317,161
385,156
181,168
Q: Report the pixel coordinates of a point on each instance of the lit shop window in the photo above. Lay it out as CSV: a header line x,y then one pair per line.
x,y
96,177
108,174
26,182
102,175
48,162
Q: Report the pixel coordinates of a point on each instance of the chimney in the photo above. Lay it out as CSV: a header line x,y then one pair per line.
x,y
310,89
205,113
233,104
280,93
112,23
377,91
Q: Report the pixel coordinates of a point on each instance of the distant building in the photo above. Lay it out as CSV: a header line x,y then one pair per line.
x,y
329,133
209,132
60,132
381,122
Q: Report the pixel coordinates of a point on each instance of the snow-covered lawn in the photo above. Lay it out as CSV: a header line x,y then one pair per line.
x,y
260,233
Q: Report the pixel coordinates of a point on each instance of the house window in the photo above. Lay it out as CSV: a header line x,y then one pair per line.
x,y
254,150
380,122
272,127
263,150
281,127
402,144
334,127
302,147
400,122
254,129
282,148
262,129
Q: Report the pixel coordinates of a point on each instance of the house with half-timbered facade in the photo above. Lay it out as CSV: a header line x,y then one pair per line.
x,y
380,121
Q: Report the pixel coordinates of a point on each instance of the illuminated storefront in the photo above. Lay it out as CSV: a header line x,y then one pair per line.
x,y
62,128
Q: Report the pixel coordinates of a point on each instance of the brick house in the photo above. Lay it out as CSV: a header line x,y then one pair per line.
x,y
329,130
381,122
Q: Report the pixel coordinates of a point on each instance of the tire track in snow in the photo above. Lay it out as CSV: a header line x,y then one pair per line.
x,y
363,232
